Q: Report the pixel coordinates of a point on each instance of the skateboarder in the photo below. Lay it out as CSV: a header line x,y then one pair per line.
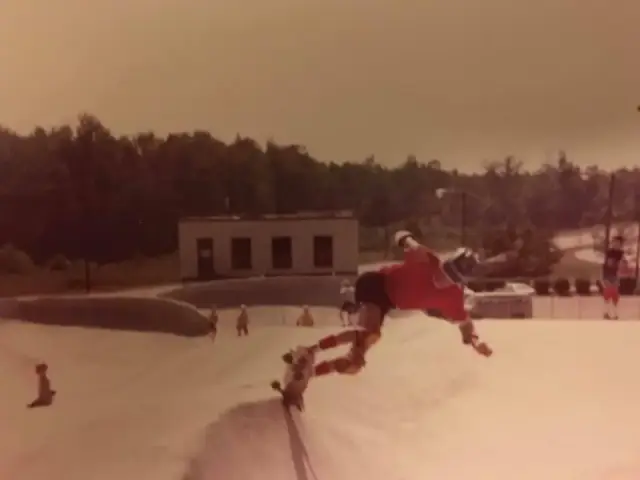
x,y
348,307
213,322
242,323
421,282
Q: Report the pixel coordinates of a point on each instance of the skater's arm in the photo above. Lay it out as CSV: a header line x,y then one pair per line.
x,y
489,265
413,250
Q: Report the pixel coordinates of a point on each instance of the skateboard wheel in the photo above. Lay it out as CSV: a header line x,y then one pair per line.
x,y
275,385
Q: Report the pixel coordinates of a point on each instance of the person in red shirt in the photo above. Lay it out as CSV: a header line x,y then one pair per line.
x,y
421,282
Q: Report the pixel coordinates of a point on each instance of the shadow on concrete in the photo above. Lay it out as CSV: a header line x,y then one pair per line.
x,y
254,440
268,291
113,313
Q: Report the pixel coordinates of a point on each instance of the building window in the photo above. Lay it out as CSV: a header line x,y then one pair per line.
x,y
323,251
241,254
205,256
281,257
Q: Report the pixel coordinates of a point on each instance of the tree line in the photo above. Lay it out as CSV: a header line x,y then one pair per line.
x,y
83,192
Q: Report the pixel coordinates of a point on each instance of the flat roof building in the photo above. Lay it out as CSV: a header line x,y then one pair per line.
x,y
305,243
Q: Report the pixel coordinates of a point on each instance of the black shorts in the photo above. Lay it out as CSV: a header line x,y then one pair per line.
x,y
370,288
349,307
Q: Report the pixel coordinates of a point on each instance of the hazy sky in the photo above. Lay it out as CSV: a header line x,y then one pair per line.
x,y
457,80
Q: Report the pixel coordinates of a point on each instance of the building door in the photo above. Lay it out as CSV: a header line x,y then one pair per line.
x,y
204,247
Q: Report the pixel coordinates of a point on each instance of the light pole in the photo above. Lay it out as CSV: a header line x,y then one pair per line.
x,y
609,218
637,219
464,195
637,215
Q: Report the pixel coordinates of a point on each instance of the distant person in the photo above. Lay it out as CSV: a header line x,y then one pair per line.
x,y
213,322
613,267
348,307
45,393
305,319
242,324
421,282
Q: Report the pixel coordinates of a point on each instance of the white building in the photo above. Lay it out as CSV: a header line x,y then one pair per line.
x,y
299,244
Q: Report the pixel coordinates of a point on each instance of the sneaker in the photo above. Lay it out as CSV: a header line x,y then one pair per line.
x,y
288,358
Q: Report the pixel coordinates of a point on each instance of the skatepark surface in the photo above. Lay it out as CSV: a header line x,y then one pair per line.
x,y
558,400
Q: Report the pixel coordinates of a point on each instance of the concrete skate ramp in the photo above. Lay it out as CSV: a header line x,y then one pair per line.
x,y
546,406
319,291
559,401
111,312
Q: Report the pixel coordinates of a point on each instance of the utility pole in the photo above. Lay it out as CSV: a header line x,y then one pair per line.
x,y
637,215
637,219
463,218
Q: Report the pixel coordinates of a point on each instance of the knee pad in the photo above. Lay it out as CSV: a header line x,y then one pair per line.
x,y
328,342
347,366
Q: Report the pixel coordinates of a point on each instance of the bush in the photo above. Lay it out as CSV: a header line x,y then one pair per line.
x,y
542,286
562,287
628,285
583,286
59,263
493,285
14,261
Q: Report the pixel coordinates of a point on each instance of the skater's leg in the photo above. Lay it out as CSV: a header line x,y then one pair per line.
x,y
468,332
345,337
343,365
334,340
354,361
370,318
611,297
371,304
